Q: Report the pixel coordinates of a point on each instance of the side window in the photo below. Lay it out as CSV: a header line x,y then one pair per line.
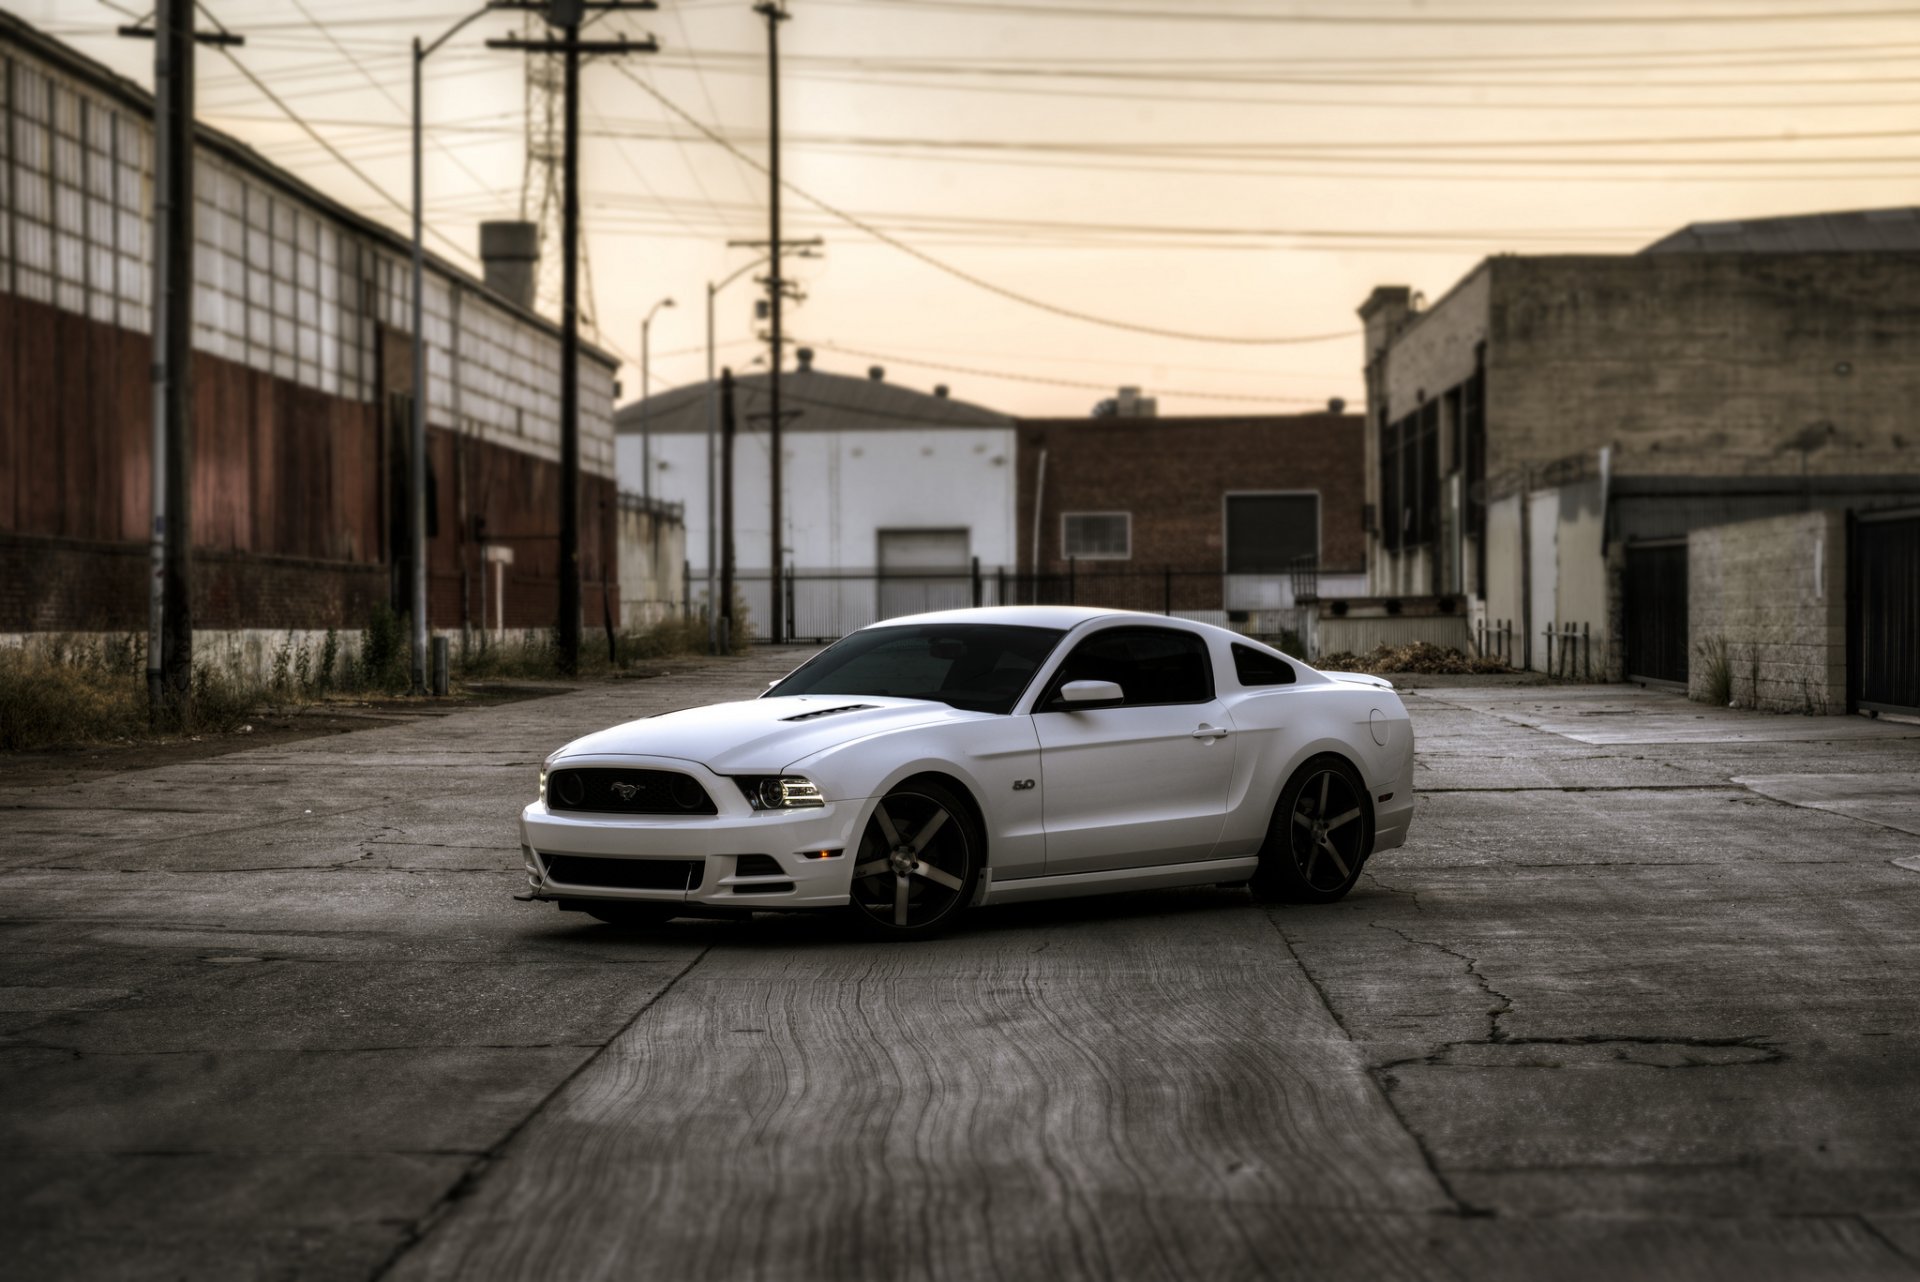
x,y
1150,665
1257,669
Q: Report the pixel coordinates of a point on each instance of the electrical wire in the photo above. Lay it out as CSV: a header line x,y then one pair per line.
x,y
348,164
966,276
393,98
1107,13
1052,381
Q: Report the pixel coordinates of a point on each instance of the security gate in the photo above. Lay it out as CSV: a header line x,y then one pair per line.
x,y
1656,612
1885,632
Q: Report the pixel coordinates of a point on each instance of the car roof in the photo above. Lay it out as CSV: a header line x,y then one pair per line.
x,y
1031,616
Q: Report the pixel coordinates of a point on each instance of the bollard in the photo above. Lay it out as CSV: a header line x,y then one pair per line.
x,y
440,656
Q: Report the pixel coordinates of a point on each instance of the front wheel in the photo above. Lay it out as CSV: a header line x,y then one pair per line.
x,y
919,860
1320,835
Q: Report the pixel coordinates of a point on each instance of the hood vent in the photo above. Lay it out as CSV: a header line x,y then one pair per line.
x,y
831,712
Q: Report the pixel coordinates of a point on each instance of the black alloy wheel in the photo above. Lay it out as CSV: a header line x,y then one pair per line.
x,y
918,862
1320,836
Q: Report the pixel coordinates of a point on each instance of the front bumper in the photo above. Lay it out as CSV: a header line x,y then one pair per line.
x,y
569,855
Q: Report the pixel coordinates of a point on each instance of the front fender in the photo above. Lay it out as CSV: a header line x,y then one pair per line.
x,y
986,757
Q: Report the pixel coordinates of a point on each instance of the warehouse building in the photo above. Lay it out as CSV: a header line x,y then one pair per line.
x,y
1230,519
1550,444
890,494
302,380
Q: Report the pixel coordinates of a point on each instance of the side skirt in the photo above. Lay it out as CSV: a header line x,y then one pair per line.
x,y
1121,879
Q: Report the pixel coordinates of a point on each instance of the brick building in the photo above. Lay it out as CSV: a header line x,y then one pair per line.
x,y
1545,438
302,376
1209,516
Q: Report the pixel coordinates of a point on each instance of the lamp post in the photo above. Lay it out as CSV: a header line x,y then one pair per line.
x,y
646,411
417,448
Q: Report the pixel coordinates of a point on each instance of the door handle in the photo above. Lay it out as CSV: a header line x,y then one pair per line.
x,y
1208,732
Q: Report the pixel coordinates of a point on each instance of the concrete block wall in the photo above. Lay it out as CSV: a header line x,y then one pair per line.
x,y
1702,364
1774,593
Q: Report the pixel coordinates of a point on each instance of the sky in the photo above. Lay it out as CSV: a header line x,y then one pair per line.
x,y
1038,201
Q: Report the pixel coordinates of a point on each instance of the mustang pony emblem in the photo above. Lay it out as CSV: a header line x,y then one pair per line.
x,y
625,791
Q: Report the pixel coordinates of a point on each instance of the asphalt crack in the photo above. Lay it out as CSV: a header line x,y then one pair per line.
x,y
1382,1083
1504,1003
469,1181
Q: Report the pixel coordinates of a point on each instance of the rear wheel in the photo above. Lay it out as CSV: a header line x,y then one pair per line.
x,y
1320,835
918,862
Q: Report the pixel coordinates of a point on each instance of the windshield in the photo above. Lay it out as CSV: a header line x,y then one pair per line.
x,y
981,667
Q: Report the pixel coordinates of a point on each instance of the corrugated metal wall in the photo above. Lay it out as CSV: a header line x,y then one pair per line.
x,y
299,319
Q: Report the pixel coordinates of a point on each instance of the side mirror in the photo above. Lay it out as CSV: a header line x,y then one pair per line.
x,y
1081,695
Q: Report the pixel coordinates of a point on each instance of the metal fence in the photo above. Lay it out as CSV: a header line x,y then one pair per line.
x,y
826,605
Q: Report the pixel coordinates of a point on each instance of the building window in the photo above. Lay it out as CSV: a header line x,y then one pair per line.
x,y
1272,533
1097,536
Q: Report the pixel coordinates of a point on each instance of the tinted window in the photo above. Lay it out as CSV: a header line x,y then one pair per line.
x,y
1151,665
977,666
1257,669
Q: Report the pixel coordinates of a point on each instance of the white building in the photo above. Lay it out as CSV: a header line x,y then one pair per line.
x,y
879,479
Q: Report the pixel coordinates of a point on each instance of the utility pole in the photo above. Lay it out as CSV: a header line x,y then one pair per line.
x,y
775,13
566,16
726,510
170,555
802,248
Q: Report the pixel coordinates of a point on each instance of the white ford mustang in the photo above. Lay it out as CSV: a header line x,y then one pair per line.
x,y
932,762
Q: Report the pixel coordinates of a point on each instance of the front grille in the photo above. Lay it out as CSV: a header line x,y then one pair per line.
x,y
626,874
613,790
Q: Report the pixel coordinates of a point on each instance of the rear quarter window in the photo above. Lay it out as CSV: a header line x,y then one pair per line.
x,y
1256,668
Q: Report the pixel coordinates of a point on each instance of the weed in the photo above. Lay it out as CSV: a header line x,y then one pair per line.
x,y
1716,672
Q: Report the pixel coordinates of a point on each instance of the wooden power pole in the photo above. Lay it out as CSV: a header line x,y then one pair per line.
x,y
565,16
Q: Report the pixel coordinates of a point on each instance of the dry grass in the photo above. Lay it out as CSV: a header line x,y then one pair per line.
x,y
1421,657
60,694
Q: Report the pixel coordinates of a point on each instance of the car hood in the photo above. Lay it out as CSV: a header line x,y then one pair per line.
x,y
761,736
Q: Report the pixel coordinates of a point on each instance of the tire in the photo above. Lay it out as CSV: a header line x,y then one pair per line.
x,y
918,862
1306,859
630,916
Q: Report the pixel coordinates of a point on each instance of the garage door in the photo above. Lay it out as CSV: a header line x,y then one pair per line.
x,y
1655,604
1886,625
924,570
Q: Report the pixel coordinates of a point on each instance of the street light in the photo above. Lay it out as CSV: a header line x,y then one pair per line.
x,y
417,454
646,411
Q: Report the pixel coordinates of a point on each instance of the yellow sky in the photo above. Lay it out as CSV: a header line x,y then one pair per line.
x,y
1218,167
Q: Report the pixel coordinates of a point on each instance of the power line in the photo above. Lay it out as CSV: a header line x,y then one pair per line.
x,y
331,150
393,98
965,276
1061,382
1108,13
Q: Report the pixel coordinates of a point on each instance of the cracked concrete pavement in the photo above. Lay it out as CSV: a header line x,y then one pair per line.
x,y
1636,1000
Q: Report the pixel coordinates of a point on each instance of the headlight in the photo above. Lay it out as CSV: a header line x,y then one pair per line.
x,y
543,785
779,792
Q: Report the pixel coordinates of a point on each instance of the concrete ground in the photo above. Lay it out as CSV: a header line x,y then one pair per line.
x,y
1637,1000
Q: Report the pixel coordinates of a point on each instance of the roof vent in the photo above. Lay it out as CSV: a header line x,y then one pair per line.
x,y
940,390
832,712
1337,405
805,356
878,373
